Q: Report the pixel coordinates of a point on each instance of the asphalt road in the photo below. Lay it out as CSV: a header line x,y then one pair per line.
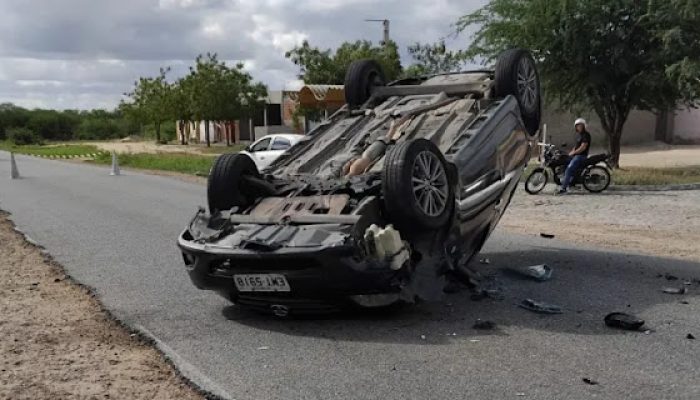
x,y
117,235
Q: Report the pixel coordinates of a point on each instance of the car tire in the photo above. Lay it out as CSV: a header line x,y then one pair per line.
x,y
225,188
536,181
516,75
598,186
360,77
418,194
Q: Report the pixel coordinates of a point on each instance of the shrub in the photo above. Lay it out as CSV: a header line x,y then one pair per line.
x,y
22,136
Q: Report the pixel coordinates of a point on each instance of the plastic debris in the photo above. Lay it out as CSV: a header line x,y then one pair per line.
x,y
422,337
540,307
546,235
540,272
264,348
690,336
474,340
589,381
623,321
672,290
484,325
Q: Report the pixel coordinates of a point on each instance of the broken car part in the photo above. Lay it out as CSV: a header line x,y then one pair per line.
x,y
540,307
623,321
673,290
540,272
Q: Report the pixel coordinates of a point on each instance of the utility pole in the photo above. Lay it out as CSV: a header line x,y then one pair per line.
x,y
385,23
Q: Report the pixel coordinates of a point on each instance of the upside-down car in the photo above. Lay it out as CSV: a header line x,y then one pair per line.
x,y
394,192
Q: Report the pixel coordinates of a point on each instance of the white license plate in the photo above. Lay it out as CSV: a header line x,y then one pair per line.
x,y
261,283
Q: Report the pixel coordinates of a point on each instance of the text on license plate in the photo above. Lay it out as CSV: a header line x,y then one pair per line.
x,y
261,283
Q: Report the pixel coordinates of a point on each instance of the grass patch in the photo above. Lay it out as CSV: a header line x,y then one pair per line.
x,y
176,162
50,150
656,176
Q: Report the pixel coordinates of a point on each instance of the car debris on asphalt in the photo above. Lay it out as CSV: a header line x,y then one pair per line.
x,y
673,290
540,307
623,321
485,261
541,272
484,325
690,336
589,381
481,294
546,235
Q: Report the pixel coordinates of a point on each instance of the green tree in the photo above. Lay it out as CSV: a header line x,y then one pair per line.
x,y
151,101
328,67
433,58
221,93
608,55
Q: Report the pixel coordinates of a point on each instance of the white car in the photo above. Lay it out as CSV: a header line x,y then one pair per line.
x,y
268,148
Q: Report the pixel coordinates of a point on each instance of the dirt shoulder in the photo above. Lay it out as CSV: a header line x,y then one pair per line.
x,y
657,223
58,343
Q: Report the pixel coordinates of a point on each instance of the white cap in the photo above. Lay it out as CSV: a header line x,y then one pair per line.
x,y
580,121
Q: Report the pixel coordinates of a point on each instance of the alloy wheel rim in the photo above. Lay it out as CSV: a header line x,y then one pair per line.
x,y
527,83
429,181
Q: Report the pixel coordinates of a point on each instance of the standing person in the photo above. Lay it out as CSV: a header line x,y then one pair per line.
x,y
579,154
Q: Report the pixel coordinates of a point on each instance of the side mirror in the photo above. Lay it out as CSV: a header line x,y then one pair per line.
x,y
248,149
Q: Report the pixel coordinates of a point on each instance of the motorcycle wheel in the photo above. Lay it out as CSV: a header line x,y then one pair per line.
x,y
596,179
536,181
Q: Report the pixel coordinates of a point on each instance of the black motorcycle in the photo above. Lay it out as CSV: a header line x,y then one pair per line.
x,y
594,173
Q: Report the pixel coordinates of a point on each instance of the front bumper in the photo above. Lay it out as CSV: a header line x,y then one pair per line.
x,y
320,275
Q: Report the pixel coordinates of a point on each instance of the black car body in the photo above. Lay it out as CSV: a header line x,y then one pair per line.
x,y
395,191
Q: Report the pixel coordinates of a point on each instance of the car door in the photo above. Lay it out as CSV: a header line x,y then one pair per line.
x,y
259,152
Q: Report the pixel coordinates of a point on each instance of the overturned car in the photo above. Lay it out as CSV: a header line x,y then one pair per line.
x,y
393,193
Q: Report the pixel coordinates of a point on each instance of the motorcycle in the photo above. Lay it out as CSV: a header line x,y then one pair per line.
x,y
594,175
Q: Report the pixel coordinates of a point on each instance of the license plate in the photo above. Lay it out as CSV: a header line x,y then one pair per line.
x,y
261,283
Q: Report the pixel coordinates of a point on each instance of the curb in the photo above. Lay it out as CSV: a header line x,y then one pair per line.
x,y
654,188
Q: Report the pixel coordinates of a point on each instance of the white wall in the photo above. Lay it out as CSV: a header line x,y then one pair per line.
x,y
640,127
686,126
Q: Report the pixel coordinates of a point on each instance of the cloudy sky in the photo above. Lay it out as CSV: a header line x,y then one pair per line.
x,y
85,53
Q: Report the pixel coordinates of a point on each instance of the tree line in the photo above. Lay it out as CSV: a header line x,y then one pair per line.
x,y
23,126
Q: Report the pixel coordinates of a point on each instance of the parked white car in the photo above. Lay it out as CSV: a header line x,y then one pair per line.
x,y
268,148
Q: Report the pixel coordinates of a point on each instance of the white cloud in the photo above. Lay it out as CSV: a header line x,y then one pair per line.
x,y
86,53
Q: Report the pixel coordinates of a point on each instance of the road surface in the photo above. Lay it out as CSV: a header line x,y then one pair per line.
x,y
117,235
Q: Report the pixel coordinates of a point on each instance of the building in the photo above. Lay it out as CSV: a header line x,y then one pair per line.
x,y
278,116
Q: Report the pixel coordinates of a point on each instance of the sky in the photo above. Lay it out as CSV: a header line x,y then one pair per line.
x,y
84,54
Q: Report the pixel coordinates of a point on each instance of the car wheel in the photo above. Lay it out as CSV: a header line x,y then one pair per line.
x,y
225,188
360,78
417,192
536,181
596,179
516,74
